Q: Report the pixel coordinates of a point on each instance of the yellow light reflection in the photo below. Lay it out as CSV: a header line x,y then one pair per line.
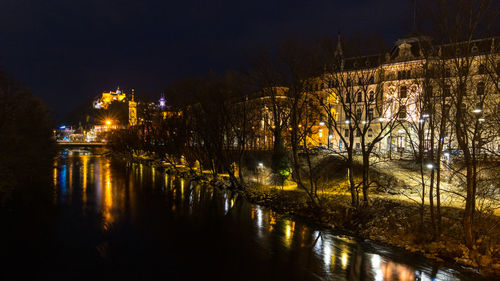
x,y
108,197
182,189
55,177
153,174
289,229
344,260
85,161
70,173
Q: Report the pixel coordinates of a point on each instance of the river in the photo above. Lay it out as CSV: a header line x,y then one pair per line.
x,y
119,221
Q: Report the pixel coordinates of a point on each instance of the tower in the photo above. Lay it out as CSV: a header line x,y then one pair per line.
x,y
132,111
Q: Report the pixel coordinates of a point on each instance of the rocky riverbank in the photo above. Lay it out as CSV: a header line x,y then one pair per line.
x,y
391,222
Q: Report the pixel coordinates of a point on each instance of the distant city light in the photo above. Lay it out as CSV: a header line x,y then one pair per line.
x,y
430,166
261,165
62,127
108,122
322,123
347,121
477,110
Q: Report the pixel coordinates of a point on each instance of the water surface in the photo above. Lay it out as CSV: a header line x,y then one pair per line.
x,y
119,221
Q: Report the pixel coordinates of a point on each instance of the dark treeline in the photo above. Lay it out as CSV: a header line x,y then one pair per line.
x,y
26,144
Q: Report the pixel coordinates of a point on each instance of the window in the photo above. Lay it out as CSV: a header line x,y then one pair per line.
x,y
480,88
446,90
358,146
481,69
402,111
371,80
371,96
347,98
428,91
404,74
358,114
447,72
479,106
346,133
370,133
402,92
358,133
370,114
349,82
360,97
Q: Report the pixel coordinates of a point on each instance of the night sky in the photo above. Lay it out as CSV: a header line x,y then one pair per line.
x,y
68,51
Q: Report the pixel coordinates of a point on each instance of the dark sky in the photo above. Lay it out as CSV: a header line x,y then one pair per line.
x,y
68,51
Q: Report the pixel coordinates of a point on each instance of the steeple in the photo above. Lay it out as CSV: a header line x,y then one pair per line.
x,y
338,49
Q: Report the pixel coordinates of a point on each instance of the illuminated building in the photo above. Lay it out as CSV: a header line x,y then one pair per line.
x,y
396,82
109,97
382,87
132,111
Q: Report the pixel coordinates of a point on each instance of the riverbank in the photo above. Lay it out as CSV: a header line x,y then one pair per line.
x,y
387,221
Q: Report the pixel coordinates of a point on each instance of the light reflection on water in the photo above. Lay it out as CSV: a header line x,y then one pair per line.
x,y
115,190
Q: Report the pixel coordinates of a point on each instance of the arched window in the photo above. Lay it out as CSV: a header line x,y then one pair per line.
x,y
370,132
360,97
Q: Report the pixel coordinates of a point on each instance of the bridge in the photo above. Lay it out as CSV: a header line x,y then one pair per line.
x,y
70,144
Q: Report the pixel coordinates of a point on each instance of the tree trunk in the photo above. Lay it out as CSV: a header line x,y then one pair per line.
x,y
366,175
